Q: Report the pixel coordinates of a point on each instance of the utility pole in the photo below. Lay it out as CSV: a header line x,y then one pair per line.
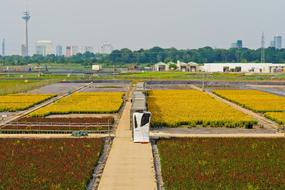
x,y
262,48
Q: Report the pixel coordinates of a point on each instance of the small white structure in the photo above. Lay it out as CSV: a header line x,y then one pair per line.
x,y
161,67
140,117
243,67
96,67
141,126
188,67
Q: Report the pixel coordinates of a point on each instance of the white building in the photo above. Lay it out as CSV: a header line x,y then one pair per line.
x,y
44,47
161,67
244,67
96,67
188,67
59,50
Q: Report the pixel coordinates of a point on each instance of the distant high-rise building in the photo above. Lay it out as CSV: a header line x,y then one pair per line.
x,y
44,47
107,48
272,44
68,52
3,47
238,44
23,50
278,42
234,45
75,50
88,49
59,50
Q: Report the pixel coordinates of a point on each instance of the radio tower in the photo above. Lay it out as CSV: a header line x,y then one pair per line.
x,y
26,18
262,48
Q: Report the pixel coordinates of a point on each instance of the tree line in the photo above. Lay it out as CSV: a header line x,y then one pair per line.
x,y
154,55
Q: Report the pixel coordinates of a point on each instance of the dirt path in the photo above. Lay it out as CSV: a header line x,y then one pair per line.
x,y
130,165
261,119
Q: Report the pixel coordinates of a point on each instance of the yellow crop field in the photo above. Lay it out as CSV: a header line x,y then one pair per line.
x,y
84,102
279,117
174,108
18,102
255,100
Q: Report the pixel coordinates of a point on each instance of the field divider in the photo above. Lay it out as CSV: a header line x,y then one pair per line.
x,y
261,119
50,101
158,135
157,165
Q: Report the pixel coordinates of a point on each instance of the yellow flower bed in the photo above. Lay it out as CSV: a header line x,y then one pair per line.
x,y
174,108
255,100
18,102
84,102
279,117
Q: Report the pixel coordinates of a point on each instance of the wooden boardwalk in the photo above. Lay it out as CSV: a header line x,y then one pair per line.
x,y
129,165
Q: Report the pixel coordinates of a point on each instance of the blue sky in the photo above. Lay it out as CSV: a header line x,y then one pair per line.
x,y
143,24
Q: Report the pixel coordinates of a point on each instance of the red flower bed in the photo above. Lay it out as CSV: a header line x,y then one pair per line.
x,y
223,163
90,123
39,164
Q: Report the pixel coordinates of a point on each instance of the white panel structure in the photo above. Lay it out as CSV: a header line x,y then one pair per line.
x,y
141,126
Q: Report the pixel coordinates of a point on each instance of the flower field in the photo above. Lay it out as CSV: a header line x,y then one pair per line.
x,y
223,163
279,117
172,108
22,85
18,102
41,123
254,100
46,164
84,102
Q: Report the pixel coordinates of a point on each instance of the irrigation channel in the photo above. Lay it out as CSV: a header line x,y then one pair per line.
x,y
13,125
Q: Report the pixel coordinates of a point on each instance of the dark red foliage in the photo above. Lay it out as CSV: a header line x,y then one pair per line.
x,y
42,164
223,163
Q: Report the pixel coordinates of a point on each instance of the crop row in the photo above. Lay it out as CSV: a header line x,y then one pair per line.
x,y
84,102
174,108
18,102
39,123
45,164
223,163
254,100
279,117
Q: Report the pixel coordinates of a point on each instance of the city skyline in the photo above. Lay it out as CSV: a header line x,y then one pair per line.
x,y
136,30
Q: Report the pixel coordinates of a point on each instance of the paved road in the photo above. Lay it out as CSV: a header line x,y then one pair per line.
x,y
129,165
278,90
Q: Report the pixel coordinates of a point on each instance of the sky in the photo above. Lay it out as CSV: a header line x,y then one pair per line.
x,y
135,24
